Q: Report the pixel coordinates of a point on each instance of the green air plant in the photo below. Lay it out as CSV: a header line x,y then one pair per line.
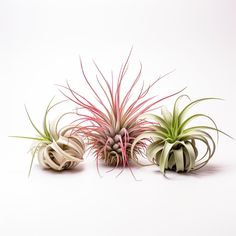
x,y
174,140
112,123
57,149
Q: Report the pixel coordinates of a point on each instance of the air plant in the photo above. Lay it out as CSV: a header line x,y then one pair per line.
x,y
174,145
57,149
112,124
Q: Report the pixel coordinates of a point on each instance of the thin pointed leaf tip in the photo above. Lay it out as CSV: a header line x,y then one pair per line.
x,y
174,145
57,149
112,122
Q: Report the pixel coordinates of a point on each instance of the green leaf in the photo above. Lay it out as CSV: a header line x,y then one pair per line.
x,y
185,110
46,131
32,159
181,128
206,127
175,124
54,128
165,155
154,148
156,118
210,151
173,131
166,115
24,137
40,133
143,136
162,131
191,154
179,159
171,162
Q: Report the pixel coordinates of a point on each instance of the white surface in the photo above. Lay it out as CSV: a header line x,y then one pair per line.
x,y
39,46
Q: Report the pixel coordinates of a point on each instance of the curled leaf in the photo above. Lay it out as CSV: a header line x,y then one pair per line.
x,y
174,145
56,149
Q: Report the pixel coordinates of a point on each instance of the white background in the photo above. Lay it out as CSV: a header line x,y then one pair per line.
x,y
40,43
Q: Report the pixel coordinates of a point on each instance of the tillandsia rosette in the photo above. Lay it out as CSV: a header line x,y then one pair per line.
x,y
57,149
112,124
174,145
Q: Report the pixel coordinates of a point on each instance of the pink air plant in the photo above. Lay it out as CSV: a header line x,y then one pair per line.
x,y
111,129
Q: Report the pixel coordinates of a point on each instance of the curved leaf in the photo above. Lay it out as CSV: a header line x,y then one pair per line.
x,y
182,126
39,132
166,115
164,156
185,110
179,159
156,118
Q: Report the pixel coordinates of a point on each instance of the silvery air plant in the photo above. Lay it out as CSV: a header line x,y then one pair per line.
x,y
113,123
174,145
57,149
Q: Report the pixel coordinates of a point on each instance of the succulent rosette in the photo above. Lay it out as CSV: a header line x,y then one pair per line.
x,y
174,139
57,149
112,123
